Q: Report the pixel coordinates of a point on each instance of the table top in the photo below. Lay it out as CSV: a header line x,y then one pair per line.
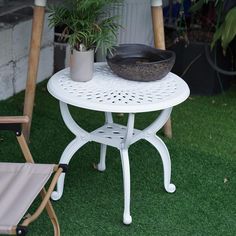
x,y
109,93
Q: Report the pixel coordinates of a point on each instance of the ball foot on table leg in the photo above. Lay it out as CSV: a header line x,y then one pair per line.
x,y
171,188
127,219
55,196
99,167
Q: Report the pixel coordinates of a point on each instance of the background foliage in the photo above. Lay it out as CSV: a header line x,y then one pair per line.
x,y
225,21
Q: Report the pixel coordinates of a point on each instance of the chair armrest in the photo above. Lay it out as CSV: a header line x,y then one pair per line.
x,y
13,123
14,119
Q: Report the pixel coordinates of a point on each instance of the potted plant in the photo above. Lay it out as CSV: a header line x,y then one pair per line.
x,y
86,26
202,35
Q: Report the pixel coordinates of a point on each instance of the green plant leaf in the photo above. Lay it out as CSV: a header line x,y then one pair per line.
x,y
87,22
226,31
229,28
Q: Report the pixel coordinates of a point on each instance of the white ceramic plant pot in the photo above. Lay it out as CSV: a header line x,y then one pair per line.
x,y
82,65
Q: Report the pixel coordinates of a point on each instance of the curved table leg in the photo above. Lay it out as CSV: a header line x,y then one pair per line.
x,y
68,153
165,156
127,219
102,164
82,137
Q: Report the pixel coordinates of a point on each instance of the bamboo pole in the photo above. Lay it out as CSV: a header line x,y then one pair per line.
x,y
159,41
34,54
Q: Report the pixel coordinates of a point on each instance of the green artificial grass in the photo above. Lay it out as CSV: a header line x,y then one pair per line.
x,y
203,154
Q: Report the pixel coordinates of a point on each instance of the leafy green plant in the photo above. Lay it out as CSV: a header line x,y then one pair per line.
x,y
226,32
225,29
86,23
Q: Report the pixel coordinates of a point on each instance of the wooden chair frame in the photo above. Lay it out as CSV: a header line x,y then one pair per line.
x,y
159,41
14,124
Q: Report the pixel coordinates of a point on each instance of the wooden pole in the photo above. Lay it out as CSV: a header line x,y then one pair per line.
x,y
34,54
159,41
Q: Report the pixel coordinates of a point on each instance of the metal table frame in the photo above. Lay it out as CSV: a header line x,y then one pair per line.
x,y
113,134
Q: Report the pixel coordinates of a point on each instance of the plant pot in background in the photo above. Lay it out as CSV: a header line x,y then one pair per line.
x,y
82,65
192,64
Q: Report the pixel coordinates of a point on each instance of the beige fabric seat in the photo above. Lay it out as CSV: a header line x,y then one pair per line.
x,y
19,186
20,183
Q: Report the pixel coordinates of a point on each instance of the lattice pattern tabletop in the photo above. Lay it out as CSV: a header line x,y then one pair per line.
x,y
110,93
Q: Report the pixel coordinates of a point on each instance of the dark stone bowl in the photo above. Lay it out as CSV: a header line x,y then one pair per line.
x,y
140,62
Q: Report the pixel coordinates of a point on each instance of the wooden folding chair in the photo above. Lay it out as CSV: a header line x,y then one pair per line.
x,y
20,183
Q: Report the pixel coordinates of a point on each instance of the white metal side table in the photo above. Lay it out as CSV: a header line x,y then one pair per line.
x,y
109,93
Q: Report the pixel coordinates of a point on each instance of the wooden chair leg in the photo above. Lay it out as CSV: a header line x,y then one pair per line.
x,y
159,41
25,149
47,204
51,214
36,37
168,129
